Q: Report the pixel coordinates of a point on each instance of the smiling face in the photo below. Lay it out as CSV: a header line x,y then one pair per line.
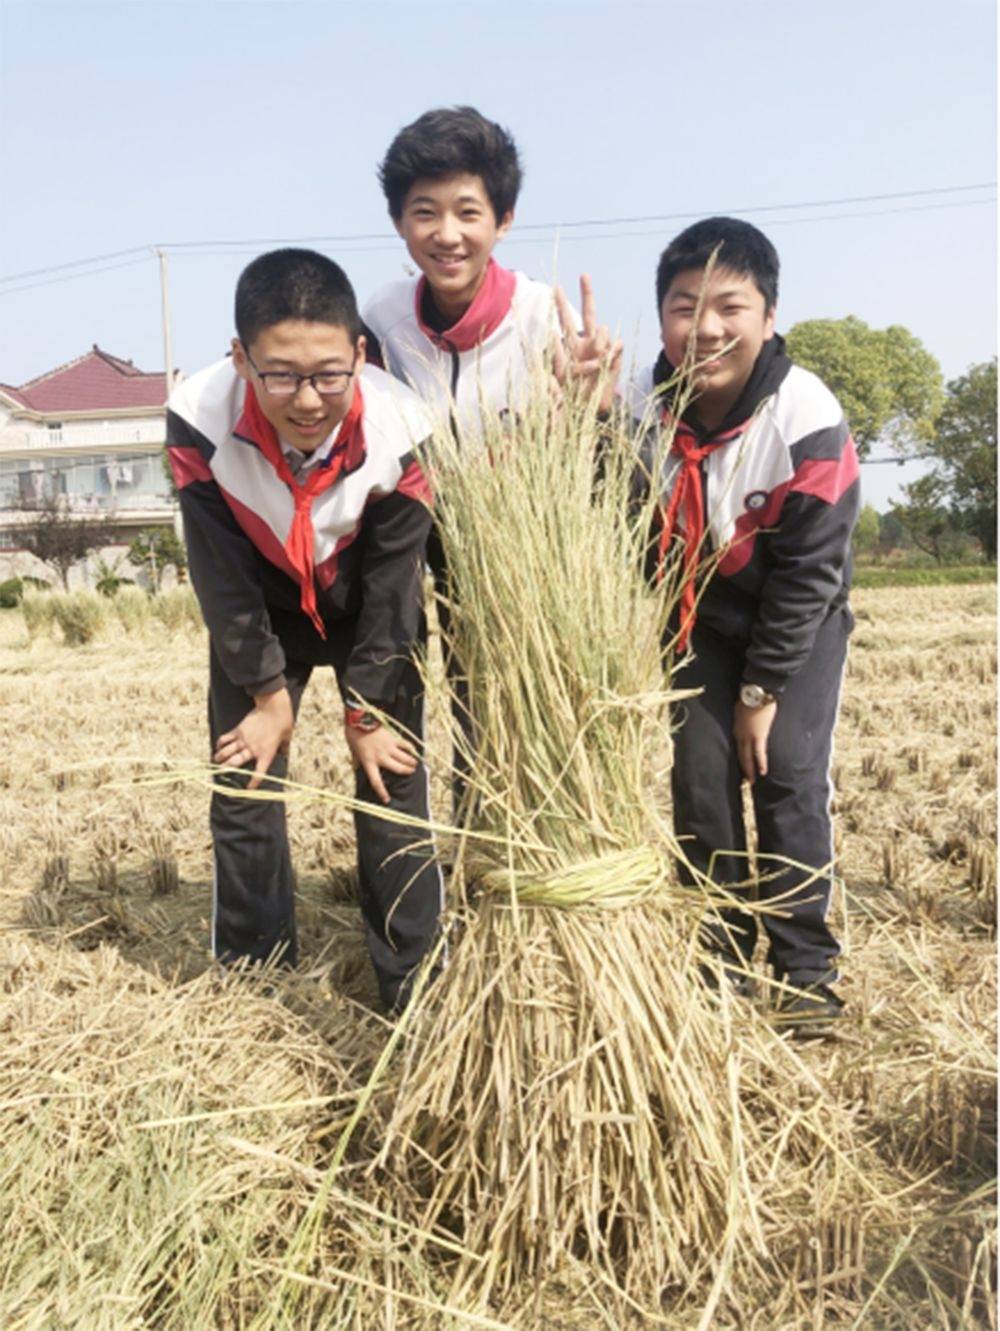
x,y
450,229
299,346
732,310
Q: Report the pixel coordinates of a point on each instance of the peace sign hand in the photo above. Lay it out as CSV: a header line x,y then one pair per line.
x,y
591,356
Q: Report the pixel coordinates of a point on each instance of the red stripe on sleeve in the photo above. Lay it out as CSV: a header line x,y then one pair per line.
x,y
740,548
326,571
261,535
415,484
828,478
187,465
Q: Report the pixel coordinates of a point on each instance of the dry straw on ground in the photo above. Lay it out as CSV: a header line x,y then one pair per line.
x,y
875,1205
149,1166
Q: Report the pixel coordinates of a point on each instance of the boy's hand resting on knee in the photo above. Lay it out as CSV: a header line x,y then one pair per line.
x,y
751,727
375,749
262,733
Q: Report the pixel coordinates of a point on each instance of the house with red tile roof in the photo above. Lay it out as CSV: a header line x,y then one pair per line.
x,y
95,382
91,434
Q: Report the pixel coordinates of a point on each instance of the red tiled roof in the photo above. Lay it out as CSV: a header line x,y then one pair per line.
x,y
97,381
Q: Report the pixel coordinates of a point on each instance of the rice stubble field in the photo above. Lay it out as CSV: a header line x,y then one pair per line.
x,y
164,1129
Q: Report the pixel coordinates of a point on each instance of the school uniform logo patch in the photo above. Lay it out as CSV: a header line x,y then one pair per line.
x,y
755,500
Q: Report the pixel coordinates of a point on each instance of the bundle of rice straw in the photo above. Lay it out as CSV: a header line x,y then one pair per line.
x,y
572,1095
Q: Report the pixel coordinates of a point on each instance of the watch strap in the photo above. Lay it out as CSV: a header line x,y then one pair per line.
x,y
359,718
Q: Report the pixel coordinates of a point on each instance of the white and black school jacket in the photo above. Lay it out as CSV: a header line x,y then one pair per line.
x,y
781,497
369,528
484,363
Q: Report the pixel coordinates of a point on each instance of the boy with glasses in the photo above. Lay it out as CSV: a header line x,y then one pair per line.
x,y
306,516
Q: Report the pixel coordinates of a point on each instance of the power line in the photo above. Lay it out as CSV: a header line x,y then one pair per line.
x,y
881,212
898,462
763,208
778,221
252,247
362,237
74,263
69,277
593,221
601,221
248,248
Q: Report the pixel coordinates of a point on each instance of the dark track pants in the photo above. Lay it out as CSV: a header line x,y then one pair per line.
x,y
399,881
791,804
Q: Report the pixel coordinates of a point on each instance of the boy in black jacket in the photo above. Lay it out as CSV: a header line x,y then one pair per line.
x,y
306,516
763,473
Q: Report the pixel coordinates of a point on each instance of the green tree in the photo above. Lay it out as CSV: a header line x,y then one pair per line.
x,y
866,531
891,533
928,520
154,549
108,576
965,446
887,382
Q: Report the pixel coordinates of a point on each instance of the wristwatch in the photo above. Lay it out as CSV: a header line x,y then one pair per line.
x,y
754,697
359,719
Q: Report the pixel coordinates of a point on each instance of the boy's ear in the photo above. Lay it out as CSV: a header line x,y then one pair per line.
x,y
398,224
240,364
360,347
505,223
769,321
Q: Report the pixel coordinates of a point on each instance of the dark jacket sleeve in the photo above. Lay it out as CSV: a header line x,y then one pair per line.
x,y
810,559
373,348
224,568
396,528
646,479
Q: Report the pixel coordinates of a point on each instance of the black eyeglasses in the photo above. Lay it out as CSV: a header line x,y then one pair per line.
x,y
286,383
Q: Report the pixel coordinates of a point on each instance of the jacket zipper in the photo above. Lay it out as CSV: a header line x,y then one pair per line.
x,y
455,365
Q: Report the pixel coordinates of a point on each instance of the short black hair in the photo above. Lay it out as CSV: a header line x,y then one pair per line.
x,y
740,246
452,141
294,284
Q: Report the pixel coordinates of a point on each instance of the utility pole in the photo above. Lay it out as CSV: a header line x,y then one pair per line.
x,y
168,365
168,351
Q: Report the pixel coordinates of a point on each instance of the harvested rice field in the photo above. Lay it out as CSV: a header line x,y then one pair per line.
x,y
185,1149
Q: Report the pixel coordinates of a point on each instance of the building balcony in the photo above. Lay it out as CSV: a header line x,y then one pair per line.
x,y
85,506
72,438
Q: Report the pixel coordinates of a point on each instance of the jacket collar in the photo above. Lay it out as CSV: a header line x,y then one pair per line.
x,y
346,455
488,310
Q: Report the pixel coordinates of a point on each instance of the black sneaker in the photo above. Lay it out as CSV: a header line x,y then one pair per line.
x,y
740,982
807,1010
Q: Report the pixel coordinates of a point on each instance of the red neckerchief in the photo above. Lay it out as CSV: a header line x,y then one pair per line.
x,y
347,453
688,502
487,311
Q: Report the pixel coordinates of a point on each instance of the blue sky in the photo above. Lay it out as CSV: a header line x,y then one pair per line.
x,y
127,124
